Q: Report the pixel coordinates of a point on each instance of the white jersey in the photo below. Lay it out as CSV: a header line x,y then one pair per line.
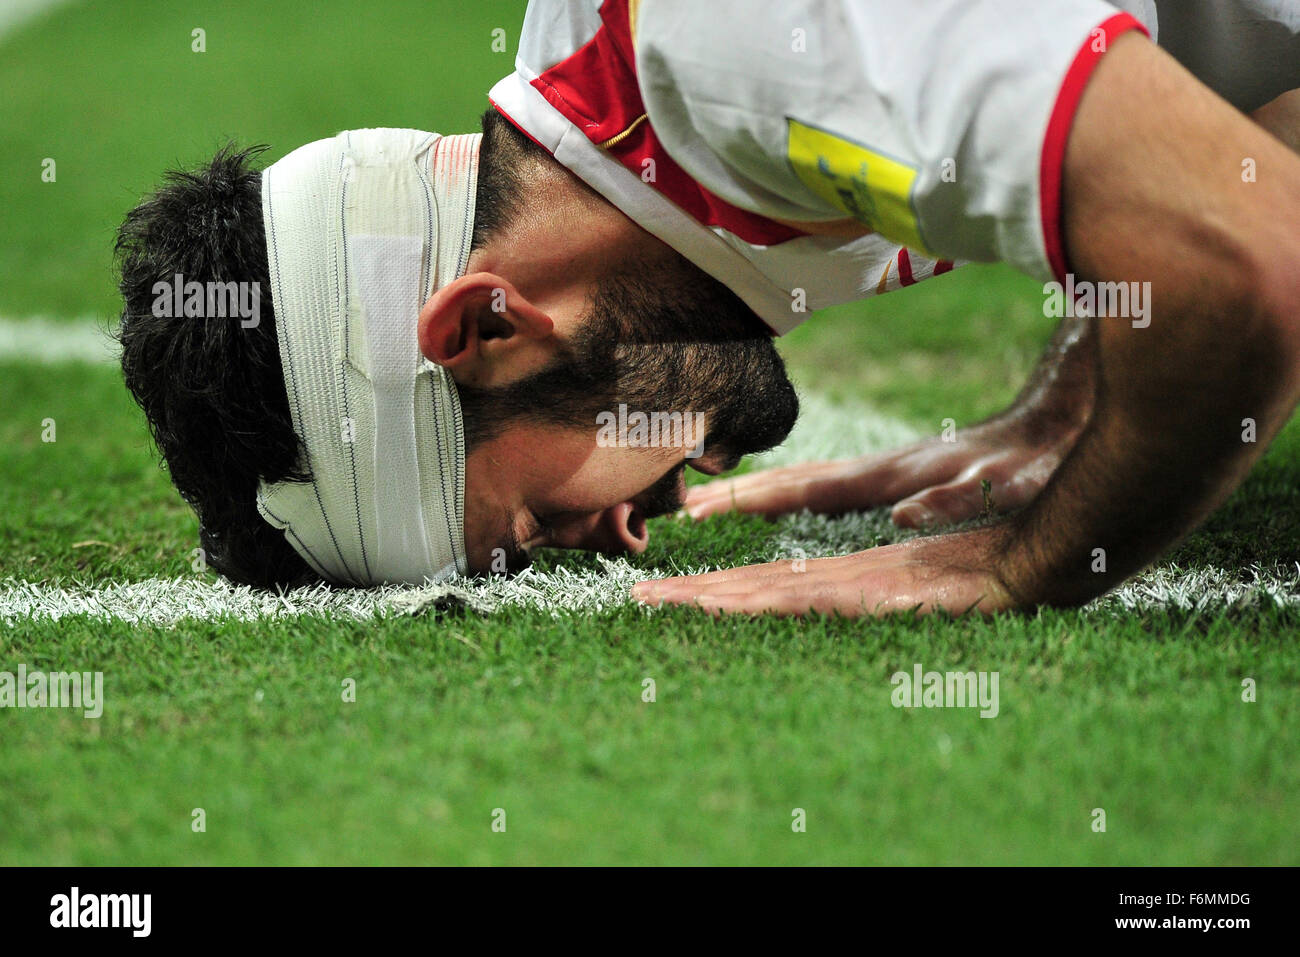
x,y
731,129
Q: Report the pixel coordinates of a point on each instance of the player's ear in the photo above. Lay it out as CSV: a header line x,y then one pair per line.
x,y
482,330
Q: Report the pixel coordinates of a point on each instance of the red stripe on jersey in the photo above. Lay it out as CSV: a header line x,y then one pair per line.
x,y
1058,131
942,266
905,268
596,90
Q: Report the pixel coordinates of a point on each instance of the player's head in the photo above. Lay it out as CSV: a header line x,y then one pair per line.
x,y
456,352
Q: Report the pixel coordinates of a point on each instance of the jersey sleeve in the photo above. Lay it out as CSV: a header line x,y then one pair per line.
x,y
940,124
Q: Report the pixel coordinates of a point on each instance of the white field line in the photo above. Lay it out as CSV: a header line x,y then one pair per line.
x,y
825,430
14,13
49,340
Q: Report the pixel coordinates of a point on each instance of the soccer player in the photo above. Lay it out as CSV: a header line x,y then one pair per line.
x,y
664,183
809,153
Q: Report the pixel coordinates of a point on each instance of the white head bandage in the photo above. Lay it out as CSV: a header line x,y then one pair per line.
x,y
360,230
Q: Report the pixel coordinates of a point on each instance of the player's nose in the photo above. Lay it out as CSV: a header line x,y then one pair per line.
x,y
620,528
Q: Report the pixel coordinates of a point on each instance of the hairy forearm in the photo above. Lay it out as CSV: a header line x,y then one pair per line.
x,y
1161,204
1059,394
1167,444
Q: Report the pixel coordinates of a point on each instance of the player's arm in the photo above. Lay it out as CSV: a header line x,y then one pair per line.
x,y
935,482
1153,192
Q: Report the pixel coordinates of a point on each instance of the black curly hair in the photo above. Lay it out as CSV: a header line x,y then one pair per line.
x,y
211,388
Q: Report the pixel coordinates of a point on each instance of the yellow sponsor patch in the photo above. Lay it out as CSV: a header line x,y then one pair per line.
x,y
872,188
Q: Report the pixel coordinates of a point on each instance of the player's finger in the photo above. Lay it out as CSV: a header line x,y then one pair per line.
x,y
826,598
1013,483
771,491
777,497
941,505
798,573
828,488
661,587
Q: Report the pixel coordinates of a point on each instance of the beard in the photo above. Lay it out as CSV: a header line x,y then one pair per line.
x,y
664,339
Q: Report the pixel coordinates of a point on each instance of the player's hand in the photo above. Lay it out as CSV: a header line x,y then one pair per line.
x,y
956,573
932,482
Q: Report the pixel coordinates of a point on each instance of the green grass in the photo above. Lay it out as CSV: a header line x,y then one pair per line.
x,y
753,718
111,90
542,716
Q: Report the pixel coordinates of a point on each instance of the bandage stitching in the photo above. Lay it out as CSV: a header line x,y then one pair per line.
x,y
447,508
347,347
285,342
316,563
